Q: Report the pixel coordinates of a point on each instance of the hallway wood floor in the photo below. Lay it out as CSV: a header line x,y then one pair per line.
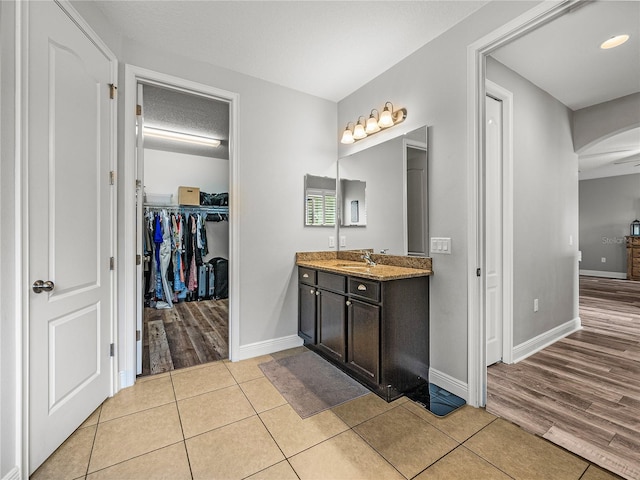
x,y
189,334
583,392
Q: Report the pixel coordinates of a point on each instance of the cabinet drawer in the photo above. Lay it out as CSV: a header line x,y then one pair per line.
x,y
331,281
364,288
634,241
307,275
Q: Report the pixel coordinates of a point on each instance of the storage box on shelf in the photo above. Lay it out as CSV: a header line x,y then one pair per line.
x,y
188,195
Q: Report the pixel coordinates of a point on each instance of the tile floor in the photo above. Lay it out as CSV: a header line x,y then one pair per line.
x,y
226,421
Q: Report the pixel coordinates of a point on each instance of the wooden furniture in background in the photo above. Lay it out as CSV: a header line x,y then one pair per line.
x,y
633,258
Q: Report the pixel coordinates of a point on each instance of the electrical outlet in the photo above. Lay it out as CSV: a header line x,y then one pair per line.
x,y
343,241
535,305
603,259
332,242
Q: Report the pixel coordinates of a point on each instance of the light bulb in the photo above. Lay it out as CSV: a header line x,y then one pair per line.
x,y
347,136
358,132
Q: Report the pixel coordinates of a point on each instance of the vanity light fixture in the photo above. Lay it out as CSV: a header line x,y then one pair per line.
x,y
180,137
388,118
614,42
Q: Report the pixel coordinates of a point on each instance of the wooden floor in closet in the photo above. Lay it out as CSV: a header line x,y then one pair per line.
x,y
583,392
190,333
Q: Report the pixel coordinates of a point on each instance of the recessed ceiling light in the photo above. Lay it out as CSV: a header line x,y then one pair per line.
x,y
614,41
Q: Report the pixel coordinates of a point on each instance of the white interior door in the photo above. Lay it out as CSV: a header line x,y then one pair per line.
x,y
416,200
493,229
69,227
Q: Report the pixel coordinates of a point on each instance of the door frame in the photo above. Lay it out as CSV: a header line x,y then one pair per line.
x,y
476,91
506,97
22,210
127,261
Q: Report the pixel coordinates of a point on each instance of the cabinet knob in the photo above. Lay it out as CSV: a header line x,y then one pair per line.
x,y
348,303
312,291
362,288
305,275
317,292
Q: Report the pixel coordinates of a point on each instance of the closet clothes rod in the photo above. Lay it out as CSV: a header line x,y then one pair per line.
x,y
188,208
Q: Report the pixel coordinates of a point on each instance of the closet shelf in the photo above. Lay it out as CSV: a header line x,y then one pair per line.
x,y
190,208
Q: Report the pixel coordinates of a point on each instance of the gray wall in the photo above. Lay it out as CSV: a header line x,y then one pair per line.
x,y
432,84
607,207
545,211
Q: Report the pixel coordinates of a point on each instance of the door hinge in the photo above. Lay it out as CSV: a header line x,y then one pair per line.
x,y
138,184
138,259
138,110
477,272
112,350
138,335
112,91
112,263
112,177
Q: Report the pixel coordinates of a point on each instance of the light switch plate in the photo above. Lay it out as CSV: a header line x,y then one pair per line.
x,y
343,241
332,242
441,245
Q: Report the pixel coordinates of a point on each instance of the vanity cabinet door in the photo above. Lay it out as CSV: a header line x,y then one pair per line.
x,y
307,295
363,352
331,324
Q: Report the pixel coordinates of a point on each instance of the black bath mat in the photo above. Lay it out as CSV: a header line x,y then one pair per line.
x,y
435,399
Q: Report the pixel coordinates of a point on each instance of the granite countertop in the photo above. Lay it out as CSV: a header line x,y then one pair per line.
x,y
349,262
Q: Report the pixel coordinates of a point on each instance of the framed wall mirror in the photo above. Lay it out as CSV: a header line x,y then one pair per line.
x,y
320,201
394,214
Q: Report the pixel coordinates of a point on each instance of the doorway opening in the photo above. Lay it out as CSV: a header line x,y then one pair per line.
x,y
182,161
198,172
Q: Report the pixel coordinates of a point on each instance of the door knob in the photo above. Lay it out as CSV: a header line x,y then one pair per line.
x,y
40,286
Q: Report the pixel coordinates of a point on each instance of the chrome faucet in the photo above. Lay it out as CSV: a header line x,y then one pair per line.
x,y
366,255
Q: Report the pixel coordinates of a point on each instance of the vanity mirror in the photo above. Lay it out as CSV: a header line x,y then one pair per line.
x,y
320,201
394,174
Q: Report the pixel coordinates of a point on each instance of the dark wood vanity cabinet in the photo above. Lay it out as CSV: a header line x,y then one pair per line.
x,y
376,331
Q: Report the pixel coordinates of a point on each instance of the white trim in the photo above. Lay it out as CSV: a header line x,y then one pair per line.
x,y
268,346
534,345
13,474
506,97
599,273
128,275
450,384
476,53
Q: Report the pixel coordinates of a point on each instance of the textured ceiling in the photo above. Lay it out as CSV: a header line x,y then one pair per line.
x,y
325,48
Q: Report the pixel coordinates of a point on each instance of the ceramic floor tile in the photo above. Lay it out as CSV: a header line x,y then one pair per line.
x,y
294,434
407,442
364,408
71,459
460,424
246,370
128,437
280,471
233,452
169,463
93,418
192,382
262,394
523,455
141,396
462,464
344,457
155,376
597,473
212,410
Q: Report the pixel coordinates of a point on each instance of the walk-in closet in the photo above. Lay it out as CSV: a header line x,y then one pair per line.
x,y
182,229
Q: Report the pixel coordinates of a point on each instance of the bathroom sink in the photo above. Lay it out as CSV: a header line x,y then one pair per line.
x,y
352,266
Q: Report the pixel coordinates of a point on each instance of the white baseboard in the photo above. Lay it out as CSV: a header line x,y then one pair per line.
x,y
528,348
266,347
13,474
450,384
599,273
